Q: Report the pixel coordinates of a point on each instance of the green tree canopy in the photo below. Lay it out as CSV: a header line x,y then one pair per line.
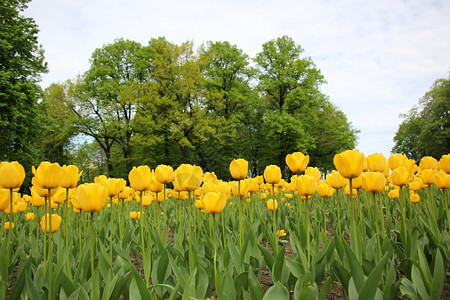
x,y
425,130
21,63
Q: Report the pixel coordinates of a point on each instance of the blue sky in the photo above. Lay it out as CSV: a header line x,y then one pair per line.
x,y
378,57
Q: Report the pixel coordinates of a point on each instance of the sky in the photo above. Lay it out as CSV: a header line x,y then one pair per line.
x,y
378,57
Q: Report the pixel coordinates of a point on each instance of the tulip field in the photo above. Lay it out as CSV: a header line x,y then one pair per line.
x,y
374,228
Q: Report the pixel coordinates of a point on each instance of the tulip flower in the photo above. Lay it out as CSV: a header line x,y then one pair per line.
x,y
243,190
92,197
252,184
101,179
428,176
272,204
297,162
55,223
323,189
281,233
394,194
444,163
12,175
272,174
314,172
209,187
415,185
134,215
428,162
377,162
209,177
239,168
164,174
400,176
214,202
155,185
48,175
115,186
373,182
140,178
188,177
335,180
442,180
70,176
59,196
30,216
414,198
349,163
397,160
4,199
8,225
306,185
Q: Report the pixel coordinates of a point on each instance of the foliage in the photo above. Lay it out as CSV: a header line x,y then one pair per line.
x,y
21,62
425,130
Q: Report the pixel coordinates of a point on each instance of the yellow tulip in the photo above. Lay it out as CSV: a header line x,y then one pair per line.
x,y
30,216
156,186
56,222
115,186
199,204
214,202
147,199
92,196
36,188
36,199
349,163
4,199
323,189
400,176
397,160
59,196
415,185
8,225
394,194
335,180
209,186
314,172
209,177
188,177
377,162
164,174
272,174
125,193
444,163
134,215
428,176
373,182
252,184
414,198
306,185
21,206
70,176
12,175
140,178
243,190
239,168
443,180
48,175
297,162
347,191
281,233
272,204
356,182
428,162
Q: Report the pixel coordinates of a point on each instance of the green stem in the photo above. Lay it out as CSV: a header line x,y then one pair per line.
x,y
141,225
444,195
50,241
307,232
191,254
375,213
66,234
355,234
338,213
92,244
215,254
111,224
383,227
241,224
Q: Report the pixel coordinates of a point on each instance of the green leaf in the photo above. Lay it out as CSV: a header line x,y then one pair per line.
x,y
254,286
424,269
33,293
228,290
278,266
277,291
342,273
437,283
295,267
418,282
369,288
355,267
134,290
268,257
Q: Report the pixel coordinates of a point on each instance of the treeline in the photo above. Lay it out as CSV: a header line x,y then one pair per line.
x,y
170,104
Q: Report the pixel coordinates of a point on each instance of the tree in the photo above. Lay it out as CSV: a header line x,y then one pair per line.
x,y
425,130
21,63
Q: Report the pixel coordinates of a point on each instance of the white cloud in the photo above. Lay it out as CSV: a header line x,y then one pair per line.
x,y
378,57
